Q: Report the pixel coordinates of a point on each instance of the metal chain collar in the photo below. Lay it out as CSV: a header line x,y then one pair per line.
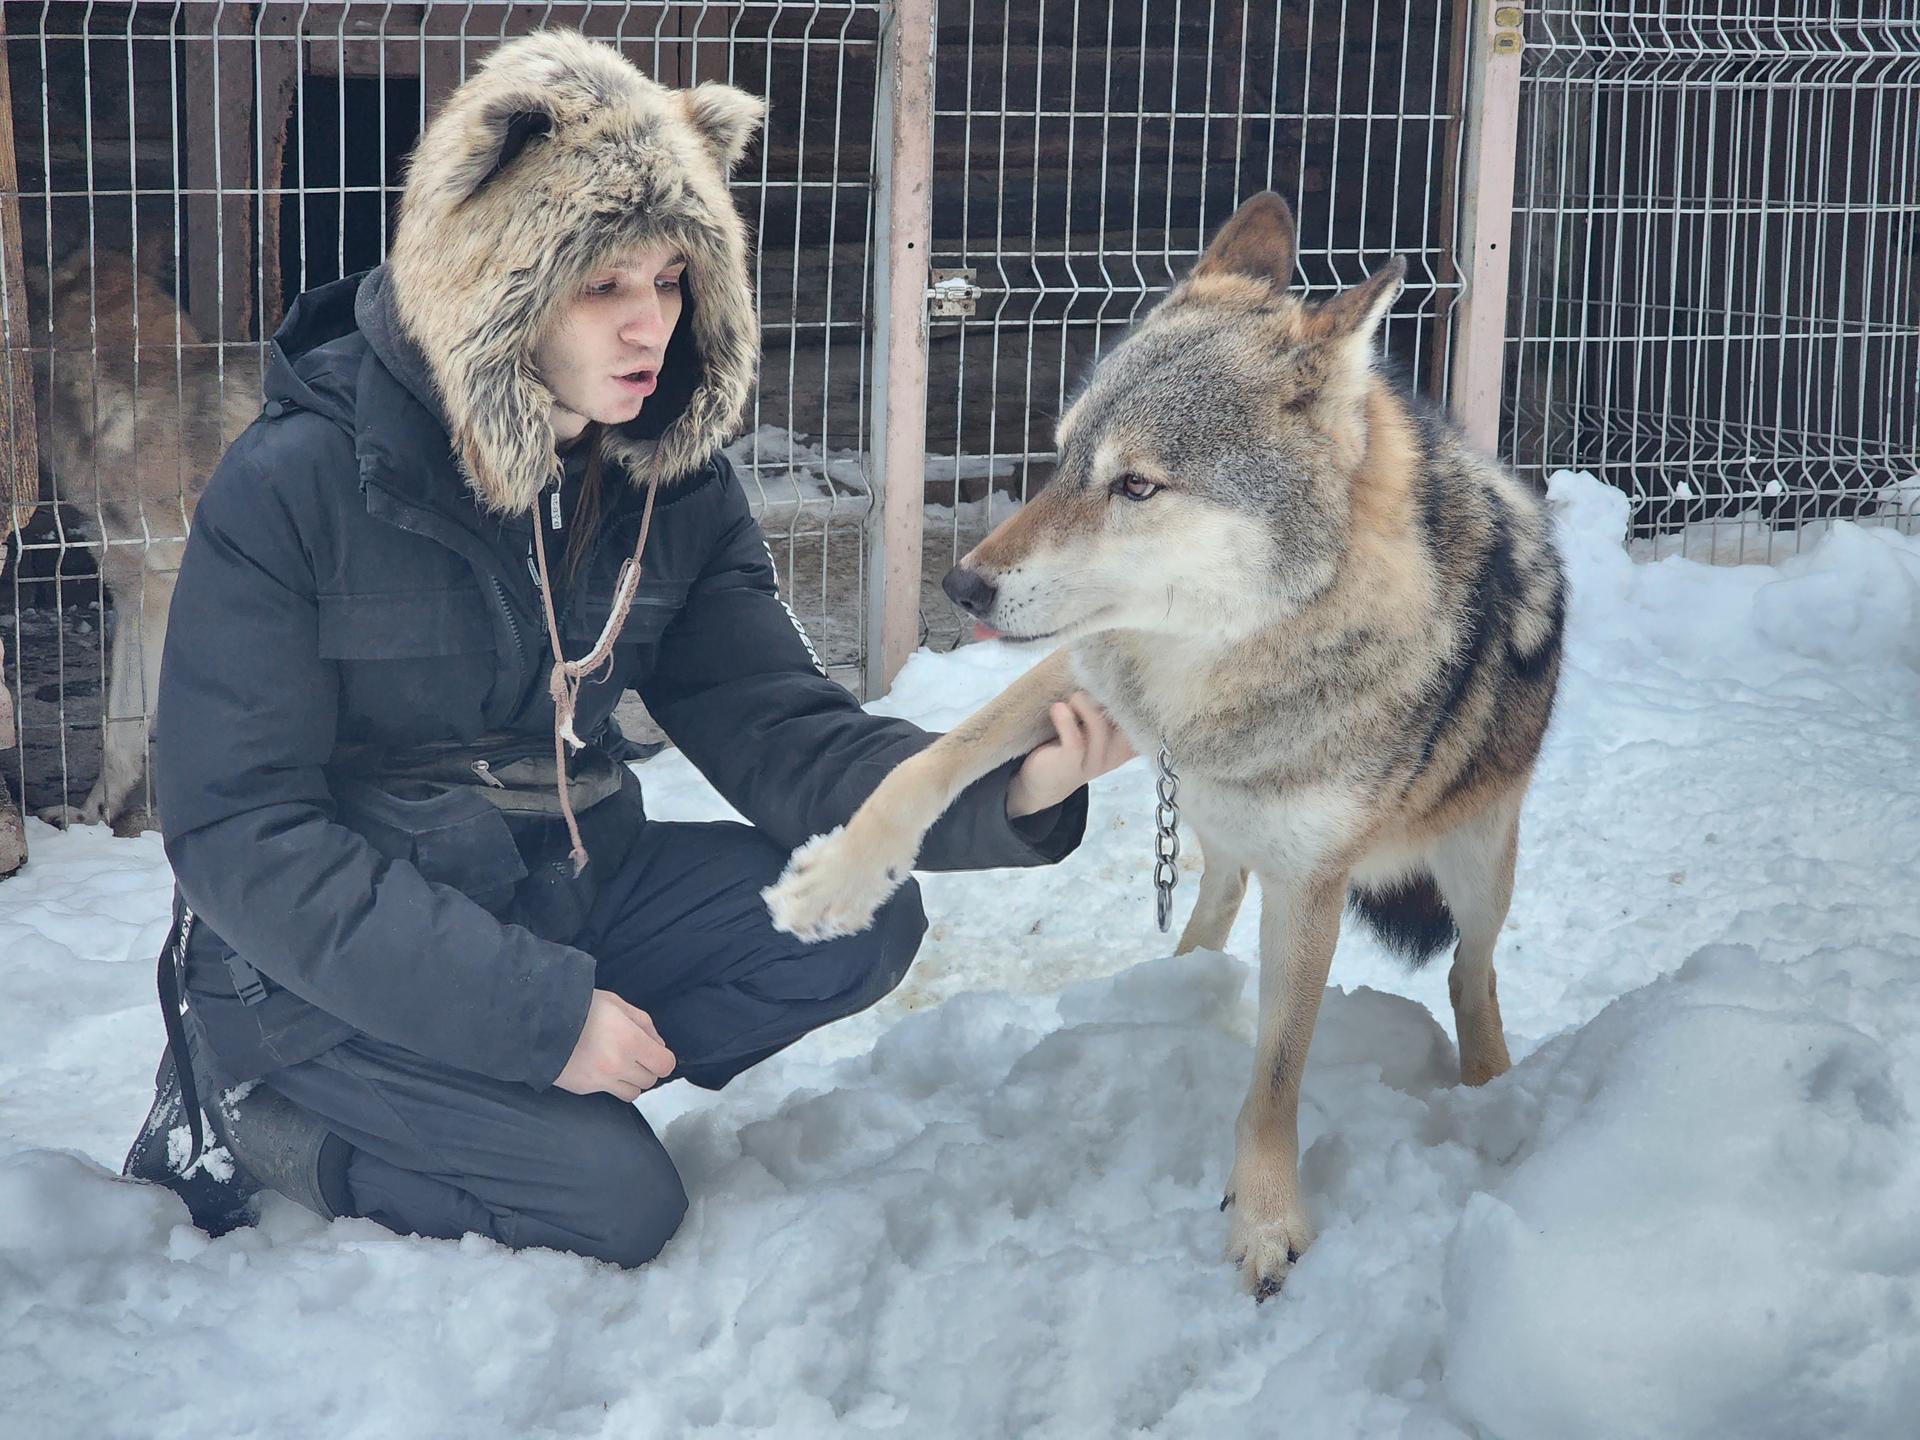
x,y
1166,840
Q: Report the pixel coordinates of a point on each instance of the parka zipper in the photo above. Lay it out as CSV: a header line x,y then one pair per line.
x,y
513,625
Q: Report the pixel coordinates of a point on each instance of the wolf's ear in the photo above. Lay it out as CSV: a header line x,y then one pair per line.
x,y
1258,241
1354,315
504,129
725,117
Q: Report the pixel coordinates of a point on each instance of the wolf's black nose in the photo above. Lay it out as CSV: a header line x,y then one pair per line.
x,y
970,590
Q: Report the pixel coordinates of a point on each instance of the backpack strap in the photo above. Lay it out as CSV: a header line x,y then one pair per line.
x,y
173,959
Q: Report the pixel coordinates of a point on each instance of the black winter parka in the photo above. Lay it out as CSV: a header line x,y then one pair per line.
x,y
343,594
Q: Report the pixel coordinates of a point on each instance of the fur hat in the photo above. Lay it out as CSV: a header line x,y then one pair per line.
x,y
554,157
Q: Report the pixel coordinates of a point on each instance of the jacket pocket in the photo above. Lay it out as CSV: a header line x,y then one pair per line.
x,y
404,624
654,606
451,836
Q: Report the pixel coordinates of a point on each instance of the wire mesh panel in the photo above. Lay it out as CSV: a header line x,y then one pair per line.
x,y
1086,150
133,395
187,169
1717,305
804,460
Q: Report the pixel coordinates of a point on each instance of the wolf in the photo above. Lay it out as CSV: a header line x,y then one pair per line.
x,y
1343,625
134,410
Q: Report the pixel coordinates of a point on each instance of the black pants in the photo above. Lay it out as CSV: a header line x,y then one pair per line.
x,y
679,931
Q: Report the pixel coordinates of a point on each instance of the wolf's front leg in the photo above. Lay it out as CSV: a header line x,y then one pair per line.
x,y
1299,924
835,883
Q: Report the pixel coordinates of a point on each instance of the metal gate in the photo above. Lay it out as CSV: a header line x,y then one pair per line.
x,y
1099,142
1078,153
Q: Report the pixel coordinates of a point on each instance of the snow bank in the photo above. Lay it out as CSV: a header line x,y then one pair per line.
x,y
1691,1217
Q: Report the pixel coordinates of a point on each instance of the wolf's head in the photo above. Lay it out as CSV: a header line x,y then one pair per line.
x,y
1205,474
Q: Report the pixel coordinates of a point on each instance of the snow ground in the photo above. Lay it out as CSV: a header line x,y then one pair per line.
x,y
988,1207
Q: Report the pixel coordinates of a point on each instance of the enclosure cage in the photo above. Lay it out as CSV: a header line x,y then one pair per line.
x,y
1708,210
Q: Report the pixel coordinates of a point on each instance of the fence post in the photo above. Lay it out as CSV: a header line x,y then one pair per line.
x,y
218,74
19,447
903,221
1492,121
20,484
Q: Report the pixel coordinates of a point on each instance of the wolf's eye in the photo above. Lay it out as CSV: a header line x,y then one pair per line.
x,y
1134,487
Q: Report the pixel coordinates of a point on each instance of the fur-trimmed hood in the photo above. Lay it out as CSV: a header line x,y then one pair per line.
x,y
555,156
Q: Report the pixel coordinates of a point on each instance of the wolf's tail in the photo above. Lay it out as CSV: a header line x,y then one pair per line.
x,y
1409,917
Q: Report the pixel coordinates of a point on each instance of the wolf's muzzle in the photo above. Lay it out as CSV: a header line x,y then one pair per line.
x,y
970,590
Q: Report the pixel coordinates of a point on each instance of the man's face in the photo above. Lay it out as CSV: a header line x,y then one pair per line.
x,y
602,357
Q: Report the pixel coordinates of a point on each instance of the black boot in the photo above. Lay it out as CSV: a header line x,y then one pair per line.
x,y
219,1194
259,1139
284,1147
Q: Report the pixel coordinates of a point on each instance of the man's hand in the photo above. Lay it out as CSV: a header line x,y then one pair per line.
x,y
618,1051
1086,745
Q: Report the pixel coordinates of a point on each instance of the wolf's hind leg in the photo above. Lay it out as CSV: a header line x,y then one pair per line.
x,y
1474,869
1223,886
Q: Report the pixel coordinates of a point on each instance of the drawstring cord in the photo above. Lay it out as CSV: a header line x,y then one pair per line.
x,y
568,675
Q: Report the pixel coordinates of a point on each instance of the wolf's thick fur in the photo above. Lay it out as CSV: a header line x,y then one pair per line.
x,y
1344,624
130,429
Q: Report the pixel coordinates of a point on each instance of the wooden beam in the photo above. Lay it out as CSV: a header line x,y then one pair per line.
x,y
20,480
220,174
20,483
670,43
903,212
1493,136
707,30
279,62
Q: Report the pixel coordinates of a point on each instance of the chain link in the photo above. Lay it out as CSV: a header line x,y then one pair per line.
x,y
1166,840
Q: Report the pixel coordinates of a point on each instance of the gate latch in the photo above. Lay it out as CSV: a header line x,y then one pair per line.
x,y
952,293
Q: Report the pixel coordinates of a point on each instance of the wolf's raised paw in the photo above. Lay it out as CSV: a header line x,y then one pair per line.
x,y
829,889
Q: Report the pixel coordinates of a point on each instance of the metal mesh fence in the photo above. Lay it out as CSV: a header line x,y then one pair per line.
x,y
185,170
1088,149
1717,301
1714,304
